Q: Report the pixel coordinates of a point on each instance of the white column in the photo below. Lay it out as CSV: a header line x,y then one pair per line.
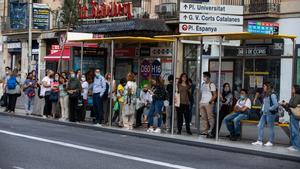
x,y
41,61
24,59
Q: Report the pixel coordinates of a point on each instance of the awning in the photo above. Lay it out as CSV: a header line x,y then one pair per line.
x,y
56,56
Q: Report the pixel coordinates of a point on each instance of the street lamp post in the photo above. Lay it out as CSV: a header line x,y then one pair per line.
x,y
30,35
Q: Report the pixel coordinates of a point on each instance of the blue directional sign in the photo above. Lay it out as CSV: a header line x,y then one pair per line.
x,y
263,28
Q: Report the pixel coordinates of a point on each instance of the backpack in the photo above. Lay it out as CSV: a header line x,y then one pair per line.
x,y
271,104
105,95
12,83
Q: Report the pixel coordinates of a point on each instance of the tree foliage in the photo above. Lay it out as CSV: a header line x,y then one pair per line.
x,y
70,13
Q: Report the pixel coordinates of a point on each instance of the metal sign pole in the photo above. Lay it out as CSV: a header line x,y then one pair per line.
x,y
198,85
112,81
174,66
219,87
81,55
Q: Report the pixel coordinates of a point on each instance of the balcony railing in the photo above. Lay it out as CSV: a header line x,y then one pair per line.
x,y
262,8
167,11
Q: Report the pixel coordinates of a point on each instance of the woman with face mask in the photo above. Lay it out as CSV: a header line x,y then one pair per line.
x,y
84,94
54,97
63,99
269,110
74,91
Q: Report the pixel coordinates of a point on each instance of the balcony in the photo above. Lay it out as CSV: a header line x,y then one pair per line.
x,y
256,10
167,11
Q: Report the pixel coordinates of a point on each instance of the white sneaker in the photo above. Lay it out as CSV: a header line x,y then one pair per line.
x,y
44,117
157,130
258,143
150,130
291,148
98,125
268,144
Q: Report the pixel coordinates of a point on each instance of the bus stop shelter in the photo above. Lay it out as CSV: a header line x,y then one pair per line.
x,y
243,36
174,39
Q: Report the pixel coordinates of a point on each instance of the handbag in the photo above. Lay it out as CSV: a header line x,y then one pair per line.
x,y
177,99
116,106
296,112
31,93
74,95
54,96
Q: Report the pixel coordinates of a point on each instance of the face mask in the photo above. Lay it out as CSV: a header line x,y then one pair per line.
x,y
242,97
83,79
73,76
205,79
97,75
56,78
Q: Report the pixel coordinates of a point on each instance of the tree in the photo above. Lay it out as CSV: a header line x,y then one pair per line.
x,y
70,13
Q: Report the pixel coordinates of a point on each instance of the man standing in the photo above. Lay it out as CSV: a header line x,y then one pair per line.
x,y
208,96
99,87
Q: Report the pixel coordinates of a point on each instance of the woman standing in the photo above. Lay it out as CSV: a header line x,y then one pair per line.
x,y
84,95
226,99
13,90
129,102
46,92
270,104
74,91
158,97
294,123
184,89
120,100
29,91
63,99
54,97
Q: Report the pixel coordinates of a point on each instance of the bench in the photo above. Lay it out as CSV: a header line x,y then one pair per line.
x,y
283,126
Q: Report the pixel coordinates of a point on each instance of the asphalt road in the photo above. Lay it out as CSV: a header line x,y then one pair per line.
x,y
30,144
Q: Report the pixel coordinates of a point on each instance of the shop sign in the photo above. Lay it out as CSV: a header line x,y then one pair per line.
x,y
254,51
54,49
41,16
145,52
211,18
263,28
208,8
18,15
125,52
156,68
201,28
95,10
16,45
161,52
145,69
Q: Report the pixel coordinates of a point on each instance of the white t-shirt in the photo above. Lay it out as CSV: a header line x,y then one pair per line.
x,y
85,90
241,103
206,92
48,81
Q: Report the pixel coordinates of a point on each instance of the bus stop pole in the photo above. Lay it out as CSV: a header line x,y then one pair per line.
x,y
112,81
294,62
219,87
81,56
198,85
174,66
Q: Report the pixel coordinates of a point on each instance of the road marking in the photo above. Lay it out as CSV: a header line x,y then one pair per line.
x,y
15,167
129,157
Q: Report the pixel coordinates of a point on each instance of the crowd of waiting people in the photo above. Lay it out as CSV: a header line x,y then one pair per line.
x,y
68,96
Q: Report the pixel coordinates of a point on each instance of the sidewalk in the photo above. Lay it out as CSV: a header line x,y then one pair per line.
x,y
244,146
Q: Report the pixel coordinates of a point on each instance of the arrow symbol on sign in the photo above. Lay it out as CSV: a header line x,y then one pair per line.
x,y
185,6
185,17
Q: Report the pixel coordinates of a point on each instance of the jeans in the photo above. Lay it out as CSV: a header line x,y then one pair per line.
x,y
64,104
295,133
48,106
233,122
98,107
73,113
269,119
29,104
12,100
183,111
155,111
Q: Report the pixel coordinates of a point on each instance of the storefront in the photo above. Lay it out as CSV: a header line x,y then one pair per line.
x,y
15,53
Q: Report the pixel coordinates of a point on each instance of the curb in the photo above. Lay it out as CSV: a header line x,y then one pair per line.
x,y
165,139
